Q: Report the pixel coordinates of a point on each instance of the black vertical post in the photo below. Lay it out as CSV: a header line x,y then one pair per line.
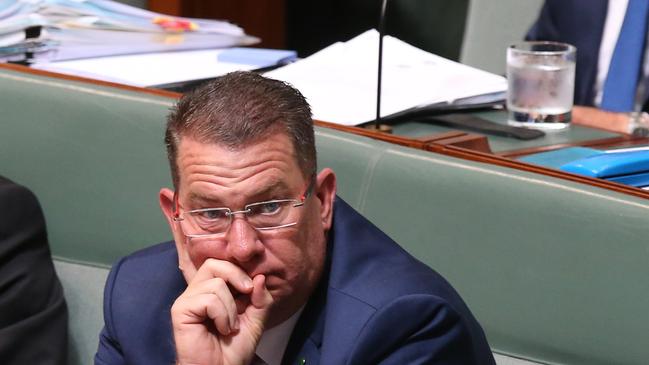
x,y
377,121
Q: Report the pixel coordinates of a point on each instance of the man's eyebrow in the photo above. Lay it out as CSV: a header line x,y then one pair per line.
x,y
199,198
277,187
274,187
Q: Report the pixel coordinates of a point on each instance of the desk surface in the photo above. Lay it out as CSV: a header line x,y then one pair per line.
x,y
575,135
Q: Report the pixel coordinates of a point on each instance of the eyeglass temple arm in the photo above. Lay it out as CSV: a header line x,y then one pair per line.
x,y
309,189
176,209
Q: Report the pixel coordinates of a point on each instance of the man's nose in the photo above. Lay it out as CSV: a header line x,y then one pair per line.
x,y
243,240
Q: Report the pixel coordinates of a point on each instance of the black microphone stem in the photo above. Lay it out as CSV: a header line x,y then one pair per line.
x,y
377,121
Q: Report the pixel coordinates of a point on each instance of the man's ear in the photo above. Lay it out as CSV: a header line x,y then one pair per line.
x,y
325,191
166,199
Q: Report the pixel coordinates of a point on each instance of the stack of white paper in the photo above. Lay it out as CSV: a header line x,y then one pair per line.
x,y
73,29
340,81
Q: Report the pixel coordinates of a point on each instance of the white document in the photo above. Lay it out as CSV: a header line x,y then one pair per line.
x,y
628,149
340,81
75,29
148,69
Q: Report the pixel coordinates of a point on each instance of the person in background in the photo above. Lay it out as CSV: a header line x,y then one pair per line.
x,y
611,69
267,265
33,313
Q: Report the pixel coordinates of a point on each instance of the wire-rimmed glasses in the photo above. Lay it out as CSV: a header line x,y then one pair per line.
x,y
262,216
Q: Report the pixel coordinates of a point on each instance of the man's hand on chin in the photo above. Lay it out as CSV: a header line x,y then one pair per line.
x,y
208,328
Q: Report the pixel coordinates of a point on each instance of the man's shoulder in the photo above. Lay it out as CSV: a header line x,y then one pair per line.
x,y
151,265
375,287
370,266
161,251
140,289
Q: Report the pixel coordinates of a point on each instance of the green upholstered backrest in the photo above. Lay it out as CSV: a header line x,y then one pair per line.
x,y
554,270
95,158
491,26
83,288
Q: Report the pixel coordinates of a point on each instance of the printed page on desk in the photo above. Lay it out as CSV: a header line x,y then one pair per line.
x,y
340,81
149,69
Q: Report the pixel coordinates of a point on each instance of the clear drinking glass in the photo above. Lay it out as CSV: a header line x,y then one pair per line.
x,y
541,84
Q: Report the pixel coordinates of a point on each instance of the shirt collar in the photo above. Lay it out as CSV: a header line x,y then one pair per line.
x,y
273,341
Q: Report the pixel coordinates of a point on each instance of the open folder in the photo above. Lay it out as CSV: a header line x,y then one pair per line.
x,y
340,81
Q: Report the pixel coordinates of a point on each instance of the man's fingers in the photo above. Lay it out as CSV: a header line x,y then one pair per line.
x,y
231,273
256,312
219,288
196,309
223,320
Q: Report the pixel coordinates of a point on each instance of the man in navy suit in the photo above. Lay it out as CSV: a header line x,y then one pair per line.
x,y
594,27
267,265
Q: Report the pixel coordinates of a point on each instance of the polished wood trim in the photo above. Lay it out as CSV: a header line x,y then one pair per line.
x,y
265,19
463,153
386,137
32,71
489,158
170,7
456,138
469,141
437,136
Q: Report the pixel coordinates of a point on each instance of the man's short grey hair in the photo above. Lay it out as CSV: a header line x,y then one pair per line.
x,y
240,109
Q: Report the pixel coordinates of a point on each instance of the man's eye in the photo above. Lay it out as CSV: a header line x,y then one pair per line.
x,y
211,214
267,208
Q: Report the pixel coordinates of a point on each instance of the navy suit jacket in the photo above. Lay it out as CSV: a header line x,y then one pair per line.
x,y
376,304
580,23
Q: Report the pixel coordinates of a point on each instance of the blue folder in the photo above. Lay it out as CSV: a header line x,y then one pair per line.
x,y
630,167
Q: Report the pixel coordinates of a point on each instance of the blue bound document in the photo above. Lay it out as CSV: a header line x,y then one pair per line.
x,y
630,167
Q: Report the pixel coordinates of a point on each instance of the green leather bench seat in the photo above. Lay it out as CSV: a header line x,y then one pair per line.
x,y
554,270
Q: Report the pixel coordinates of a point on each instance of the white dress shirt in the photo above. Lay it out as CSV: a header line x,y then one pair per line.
x,y
273,342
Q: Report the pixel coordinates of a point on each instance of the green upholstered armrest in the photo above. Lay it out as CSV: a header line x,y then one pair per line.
x,y
554,270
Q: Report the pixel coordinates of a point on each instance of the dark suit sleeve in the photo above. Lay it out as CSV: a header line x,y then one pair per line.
x,y
33,314
109,351
420,329
545,28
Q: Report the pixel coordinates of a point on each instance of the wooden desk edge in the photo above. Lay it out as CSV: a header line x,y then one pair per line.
x,y
499,160
620,141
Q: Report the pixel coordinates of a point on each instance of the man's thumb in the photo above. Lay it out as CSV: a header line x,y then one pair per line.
x,y
260,299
